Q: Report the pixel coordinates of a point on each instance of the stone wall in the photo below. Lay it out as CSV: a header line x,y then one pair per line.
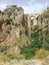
x,y
30,22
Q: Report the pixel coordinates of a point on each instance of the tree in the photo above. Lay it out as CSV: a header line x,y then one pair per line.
x,y
35,44
47,42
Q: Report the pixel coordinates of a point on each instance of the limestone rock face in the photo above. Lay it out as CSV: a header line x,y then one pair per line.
x,y
15,15
11,23
30,22
19,26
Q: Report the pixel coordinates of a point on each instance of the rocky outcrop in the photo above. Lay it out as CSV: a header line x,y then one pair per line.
x,y
19,26
31,23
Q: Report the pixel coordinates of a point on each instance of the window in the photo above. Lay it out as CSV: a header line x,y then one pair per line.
x,y
32,17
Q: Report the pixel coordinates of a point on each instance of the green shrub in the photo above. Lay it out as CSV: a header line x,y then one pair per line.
x,y
13,56
28,51
47,42
41,54
4,48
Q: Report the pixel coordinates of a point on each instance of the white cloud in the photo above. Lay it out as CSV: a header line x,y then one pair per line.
x,y
2,6
34,7
30,2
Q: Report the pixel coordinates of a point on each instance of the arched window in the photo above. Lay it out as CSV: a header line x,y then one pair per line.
x,y
32,20
32,17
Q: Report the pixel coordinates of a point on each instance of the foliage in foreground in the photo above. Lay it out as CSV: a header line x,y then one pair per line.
x,y
8,57
35,48
42,53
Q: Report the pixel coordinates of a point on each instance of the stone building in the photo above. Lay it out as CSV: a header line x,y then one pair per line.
x,y
30,22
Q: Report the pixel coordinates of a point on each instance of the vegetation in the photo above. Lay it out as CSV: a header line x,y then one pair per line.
x,y
8,57
41,53
39,39
47,42
36,44
4,49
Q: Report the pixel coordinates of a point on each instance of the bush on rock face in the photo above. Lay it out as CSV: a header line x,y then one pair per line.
x,y
4,49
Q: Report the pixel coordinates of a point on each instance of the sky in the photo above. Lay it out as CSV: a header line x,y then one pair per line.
x,y
29,6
